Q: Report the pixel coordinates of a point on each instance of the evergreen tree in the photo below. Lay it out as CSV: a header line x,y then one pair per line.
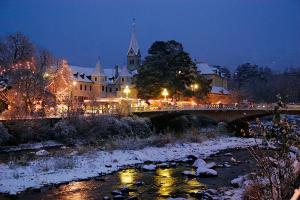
x,y
169,66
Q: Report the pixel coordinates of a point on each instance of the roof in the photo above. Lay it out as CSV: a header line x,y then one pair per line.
x,y
88,71
204,68
81,70
219,90
124,72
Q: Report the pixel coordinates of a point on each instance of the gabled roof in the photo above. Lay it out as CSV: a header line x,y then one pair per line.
x,y
125,72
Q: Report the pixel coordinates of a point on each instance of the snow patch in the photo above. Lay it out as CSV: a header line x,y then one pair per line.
x,y
88,165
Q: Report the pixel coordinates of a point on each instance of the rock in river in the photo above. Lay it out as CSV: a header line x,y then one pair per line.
x,y
205,172
150,167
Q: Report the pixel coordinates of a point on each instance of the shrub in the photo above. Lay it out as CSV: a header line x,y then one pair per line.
x,y
5,137
64,131
25,131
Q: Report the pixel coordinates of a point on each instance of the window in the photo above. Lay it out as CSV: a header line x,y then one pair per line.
x,y
117,89
131,62
84,87
102,88
122,80
80,87
90,88
105,89
95,78
110,89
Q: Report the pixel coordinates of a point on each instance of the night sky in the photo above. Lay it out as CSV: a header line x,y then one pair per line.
x,y
224,32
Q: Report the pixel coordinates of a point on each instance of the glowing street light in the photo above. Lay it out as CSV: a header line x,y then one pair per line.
x,y
194,87
74,83
126,91
165,93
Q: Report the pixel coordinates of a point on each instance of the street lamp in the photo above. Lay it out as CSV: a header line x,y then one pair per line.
x,y
194,87
126,91
165,93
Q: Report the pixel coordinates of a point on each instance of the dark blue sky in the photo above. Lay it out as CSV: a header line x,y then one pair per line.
x,y
224,32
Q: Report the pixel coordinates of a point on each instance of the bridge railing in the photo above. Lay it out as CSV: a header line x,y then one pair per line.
x,y
203,107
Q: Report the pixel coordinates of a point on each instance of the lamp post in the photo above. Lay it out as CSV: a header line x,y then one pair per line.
x,y
126,91
165,93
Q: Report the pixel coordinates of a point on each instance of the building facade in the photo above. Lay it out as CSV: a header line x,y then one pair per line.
x,y
219,84
109,82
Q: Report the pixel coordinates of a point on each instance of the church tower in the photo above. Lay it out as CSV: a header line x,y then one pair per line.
x,y
133,54
99,78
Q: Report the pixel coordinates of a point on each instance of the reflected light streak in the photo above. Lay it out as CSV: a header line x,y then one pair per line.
x,y
164,181
128,176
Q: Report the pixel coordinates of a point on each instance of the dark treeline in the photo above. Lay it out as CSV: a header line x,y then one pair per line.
x,y
262,84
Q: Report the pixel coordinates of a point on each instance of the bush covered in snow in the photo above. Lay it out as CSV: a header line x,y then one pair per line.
x,y
4,135
64,130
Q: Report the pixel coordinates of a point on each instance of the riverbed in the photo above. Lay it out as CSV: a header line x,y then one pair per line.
x,y
162,183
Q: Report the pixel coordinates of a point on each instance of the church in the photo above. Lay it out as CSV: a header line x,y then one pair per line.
x,y
107,82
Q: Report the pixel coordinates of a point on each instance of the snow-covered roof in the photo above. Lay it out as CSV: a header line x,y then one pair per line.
x,y
81,70
124,72
204,68
88,71
109,72
219,90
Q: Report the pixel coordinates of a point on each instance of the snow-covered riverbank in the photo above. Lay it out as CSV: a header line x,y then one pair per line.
x,y
15,179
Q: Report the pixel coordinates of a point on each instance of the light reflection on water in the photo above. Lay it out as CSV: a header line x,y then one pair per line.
x,y
127,176
74,191
164,181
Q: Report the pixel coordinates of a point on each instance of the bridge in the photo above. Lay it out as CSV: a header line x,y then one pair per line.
x,y
218,114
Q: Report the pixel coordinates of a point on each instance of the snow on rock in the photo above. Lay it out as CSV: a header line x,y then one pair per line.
x,y
199,163
42,153
92,164
189,173
150,167
238,182
210,165
206,172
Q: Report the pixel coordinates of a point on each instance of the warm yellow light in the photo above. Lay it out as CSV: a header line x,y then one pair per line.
x,y
165,93
74,83
126,90
194,86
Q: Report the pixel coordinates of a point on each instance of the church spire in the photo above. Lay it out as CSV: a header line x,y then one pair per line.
x,y
133,45
133,54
